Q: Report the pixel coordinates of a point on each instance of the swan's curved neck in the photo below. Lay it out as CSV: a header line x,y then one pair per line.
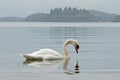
x,y
65,52
65,48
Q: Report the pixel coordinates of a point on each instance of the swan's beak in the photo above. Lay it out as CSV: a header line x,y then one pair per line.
x,y
76,48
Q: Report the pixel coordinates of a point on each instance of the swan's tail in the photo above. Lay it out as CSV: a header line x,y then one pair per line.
x,y
32,57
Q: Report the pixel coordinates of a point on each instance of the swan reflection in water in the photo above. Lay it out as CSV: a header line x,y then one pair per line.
x,y
39,63
69,71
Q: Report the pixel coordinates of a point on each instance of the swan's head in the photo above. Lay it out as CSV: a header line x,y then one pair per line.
x,y
73,42
76,48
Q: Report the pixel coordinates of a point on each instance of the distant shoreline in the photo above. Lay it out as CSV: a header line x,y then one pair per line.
x,y
67,14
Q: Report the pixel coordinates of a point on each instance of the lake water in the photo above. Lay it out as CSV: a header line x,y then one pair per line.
x,y
98,58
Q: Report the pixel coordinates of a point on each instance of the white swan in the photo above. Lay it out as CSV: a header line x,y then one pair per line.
x,y
49,54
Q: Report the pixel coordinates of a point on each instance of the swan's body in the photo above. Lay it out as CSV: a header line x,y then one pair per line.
x,y
52,54
44,54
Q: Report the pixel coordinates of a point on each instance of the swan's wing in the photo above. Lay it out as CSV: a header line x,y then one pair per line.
x,y
47,52
44,54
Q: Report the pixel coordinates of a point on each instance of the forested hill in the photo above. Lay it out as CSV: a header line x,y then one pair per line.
x,y
66,14
69,14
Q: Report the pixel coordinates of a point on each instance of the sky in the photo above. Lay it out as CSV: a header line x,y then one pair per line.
x,y
23,8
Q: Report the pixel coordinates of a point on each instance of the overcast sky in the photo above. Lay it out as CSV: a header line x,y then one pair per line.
x,y
23,8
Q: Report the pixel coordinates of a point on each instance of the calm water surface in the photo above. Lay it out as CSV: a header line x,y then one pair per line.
x,y
98,58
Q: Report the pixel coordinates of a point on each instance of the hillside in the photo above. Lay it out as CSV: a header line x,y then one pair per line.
x,y
64,15
117,19
67,14
102,16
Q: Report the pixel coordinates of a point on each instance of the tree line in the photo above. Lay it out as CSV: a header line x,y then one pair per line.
x,y
68,11
67,14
